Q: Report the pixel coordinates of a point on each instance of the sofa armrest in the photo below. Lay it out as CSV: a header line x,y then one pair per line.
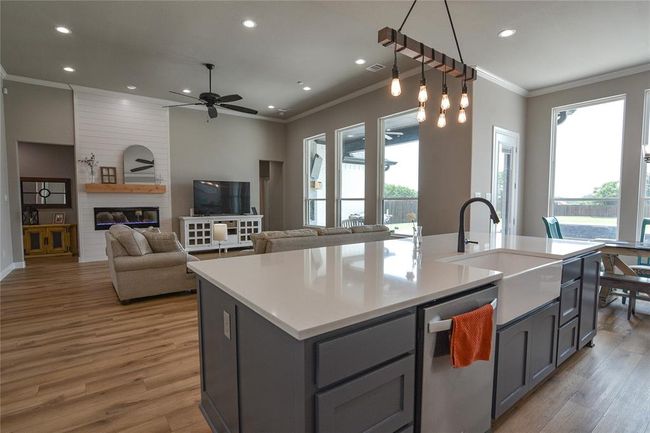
x,y
150,261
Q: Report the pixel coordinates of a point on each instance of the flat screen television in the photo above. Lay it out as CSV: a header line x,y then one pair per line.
x,y
212,197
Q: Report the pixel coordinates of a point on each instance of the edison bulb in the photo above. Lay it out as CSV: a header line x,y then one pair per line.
x,y
444,102
395,87
422,94
422,115
464,100
442,120
462,116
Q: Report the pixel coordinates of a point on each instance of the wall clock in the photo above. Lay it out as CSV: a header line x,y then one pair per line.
x,y
139,165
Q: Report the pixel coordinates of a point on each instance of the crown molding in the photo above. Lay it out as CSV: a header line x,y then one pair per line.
x,y
591,80
508,85
71,87
355,94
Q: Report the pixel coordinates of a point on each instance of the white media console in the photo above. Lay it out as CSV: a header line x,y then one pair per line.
x,y
196,231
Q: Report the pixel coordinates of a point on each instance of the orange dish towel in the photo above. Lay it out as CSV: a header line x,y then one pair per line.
x,y
471,336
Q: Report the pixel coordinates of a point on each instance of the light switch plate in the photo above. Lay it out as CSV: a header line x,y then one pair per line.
x,y
226,324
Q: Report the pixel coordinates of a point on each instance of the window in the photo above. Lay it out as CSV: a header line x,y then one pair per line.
x,y
351,175
644,206
315,181
586,168
44,193
398,171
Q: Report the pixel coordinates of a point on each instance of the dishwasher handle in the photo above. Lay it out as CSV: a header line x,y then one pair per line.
x,y
445,325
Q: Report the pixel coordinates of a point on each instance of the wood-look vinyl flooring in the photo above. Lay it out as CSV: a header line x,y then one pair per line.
x,y
73,359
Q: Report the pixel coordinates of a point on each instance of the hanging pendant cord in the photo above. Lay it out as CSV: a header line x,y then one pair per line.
x,y
407,16
453,30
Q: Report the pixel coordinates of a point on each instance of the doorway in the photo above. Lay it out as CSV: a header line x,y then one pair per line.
x,y
505,169
271,194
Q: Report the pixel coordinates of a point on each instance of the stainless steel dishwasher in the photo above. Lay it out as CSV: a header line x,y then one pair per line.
x,y
453,400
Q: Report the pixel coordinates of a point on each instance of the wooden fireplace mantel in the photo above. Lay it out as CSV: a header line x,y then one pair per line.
x,y
128,188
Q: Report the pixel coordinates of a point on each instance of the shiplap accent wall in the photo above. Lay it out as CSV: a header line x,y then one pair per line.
x,y
106,123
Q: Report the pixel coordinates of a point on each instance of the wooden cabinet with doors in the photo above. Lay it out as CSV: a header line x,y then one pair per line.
x,y
49,240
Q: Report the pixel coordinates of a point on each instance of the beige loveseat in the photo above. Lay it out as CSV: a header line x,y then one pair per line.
x,y
274,241
146,263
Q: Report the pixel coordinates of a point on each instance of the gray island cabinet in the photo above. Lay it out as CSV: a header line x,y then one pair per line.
x,y
257,378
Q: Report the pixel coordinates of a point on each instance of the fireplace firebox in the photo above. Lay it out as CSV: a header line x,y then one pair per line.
x,y
136,217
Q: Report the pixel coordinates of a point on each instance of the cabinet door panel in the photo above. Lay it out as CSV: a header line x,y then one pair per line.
x,y
567,343
378,402
589,298
34,241
512,366
569,302
57,240
543,343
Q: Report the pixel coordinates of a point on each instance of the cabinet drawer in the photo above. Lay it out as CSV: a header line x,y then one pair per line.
x,y
567,341
353,353
571,270
378,402
569,302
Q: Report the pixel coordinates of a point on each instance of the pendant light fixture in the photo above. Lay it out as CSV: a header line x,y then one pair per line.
x,y
421,116
442,119
462,116
444,101
422,94
464,97
395,87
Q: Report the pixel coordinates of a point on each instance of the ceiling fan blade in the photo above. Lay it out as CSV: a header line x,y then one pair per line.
x,y
388,137
144,161
229,98
183,94
238,108
143,168
212,112
183,105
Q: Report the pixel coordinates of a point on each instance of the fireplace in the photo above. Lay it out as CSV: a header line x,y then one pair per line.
x,y
131,216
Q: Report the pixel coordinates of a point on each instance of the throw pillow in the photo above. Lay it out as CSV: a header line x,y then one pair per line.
x,y
333,231
370,228
133,242
162,242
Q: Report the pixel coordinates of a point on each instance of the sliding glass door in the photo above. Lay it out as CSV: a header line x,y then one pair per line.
x,y
586,168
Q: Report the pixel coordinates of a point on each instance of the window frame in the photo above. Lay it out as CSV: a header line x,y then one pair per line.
x,y
381,145
553,147
306,179
339,170
643,170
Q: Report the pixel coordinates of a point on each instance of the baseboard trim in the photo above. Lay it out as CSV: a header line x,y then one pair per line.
x,y
6,271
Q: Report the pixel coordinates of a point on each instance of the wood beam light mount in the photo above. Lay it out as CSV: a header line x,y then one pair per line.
x,y
416,50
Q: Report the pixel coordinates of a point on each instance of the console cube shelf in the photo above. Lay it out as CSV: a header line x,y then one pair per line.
x,y
196,232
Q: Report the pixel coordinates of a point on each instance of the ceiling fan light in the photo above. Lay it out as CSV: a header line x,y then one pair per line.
x,y
462,115
421,115
442,119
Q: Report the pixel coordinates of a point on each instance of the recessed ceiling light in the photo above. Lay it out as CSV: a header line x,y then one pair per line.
x,y
64,30
506,33
360,61
306,88
271,107
187,91
249,24
68,68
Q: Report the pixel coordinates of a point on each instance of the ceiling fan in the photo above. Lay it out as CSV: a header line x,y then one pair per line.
x,y
389,134
211,100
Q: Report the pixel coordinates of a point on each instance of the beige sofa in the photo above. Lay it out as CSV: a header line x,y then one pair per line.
x,y
275,241
146,263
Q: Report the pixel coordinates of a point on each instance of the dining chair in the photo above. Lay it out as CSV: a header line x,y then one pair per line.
x,y
552,225
642,267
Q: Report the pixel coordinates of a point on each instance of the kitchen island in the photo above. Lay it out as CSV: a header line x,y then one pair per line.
x,y
329,339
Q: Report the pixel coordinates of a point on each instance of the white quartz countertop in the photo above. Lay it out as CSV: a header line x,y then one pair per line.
x,y
314,291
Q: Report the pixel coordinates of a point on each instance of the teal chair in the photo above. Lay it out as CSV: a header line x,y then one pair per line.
x,y
552,227
642,267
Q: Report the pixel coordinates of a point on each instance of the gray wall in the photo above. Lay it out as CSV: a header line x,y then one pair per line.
x,y
445,154
494,106
228,148
6,248
538,145
34,114
50,160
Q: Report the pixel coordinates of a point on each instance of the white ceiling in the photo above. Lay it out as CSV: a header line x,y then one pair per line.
x,y
159,46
